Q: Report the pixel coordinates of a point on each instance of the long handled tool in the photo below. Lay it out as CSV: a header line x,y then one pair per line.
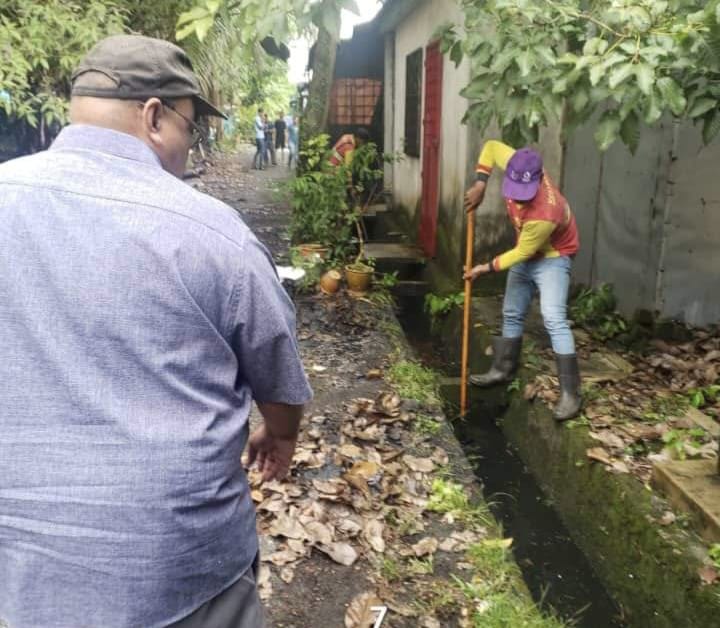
x,y
466,313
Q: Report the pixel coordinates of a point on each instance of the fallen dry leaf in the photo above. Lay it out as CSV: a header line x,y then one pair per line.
x,y
373,534
359,613
424,465
374,374
599,455
282,557
342,553
288,527
667,518
319,533
388,403
425,546
708,574
329,487
609,439
287,574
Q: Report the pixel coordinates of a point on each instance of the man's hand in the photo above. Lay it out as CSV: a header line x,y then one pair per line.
x,y
271,454
477,271
474,196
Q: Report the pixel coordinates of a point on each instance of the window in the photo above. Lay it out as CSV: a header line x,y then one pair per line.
x,y
353,101
413,102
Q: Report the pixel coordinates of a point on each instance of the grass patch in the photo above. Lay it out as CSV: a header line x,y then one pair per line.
x,y
414,381
426,425
448,497
391,569
494,596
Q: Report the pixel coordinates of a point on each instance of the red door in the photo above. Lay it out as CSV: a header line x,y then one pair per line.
x,y
431,149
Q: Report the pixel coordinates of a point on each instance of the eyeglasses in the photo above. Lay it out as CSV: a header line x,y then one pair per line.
x,y
197,135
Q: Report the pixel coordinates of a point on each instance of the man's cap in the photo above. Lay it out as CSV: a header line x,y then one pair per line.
x,y
141,68
523,175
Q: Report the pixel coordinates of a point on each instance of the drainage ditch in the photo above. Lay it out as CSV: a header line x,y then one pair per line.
x,y
555,570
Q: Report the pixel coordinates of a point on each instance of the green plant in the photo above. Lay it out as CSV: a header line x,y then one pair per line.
x,y
494,597
714,553
318,198
594,309
414,381
438,306
514,385
391,569
633,61
426,425
676,440
313,268
41,44
449,497
704,396
531,354
386,280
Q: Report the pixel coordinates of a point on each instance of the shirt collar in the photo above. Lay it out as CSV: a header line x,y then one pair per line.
x,y
95,138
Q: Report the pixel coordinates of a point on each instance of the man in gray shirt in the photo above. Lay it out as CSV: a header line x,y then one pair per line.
x,y
140,319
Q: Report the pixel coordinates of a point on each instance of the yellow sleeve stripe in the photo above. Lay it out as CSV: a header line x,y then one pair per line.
x,y
533,236
494,154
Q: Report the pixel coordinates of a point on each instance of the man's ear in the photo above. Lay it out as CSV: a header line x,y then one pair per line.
x,y
152,112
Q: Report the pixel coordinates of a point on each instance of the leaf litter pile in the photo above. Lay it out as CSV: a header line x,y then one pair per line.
x,y
366,485
662,404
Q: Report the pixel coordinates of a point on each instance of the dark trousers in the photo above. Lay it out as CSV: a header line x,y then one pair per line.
x,y
238,606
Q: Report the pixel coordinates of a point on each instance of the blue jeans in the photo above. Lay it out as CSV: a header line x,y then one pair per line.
x,y
259,153
551,277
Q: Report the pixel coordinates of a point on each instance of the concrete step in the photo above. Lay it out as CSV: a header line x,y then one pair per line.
x,y
394,252
374,210
693,486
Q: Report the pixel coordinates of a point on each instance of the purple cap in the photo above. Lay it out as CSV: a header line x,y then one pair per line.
x,y
522,175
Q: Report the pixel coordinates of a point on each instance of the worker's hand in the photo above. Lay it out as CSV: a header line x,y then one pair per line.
x,y
474,196
476,271
272,455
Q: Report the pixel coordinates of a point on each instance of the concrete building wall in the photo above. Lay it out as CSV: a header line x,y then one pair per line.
x,y
416,31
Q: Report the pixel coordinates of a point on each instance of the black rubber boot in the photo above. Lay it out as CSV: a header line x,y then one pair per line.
x,y
570,401
506,356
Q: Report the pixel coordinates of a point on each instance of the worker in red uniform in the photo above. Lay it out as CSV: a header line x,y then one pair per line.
x,y
344,149
547,240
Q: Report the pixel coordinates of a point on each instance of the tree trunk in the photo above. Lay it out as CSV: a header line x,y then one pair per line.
x,y
316,113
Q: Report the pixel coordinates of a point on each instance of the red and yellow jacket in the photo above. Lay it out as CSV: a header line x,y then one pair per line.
x,y
545,226
344,150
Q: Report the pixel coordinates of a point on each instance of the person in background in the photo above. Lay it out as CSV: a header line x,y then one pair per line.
x,y
344,149
259,159
141,321
293,140
547,241
269,142
280,127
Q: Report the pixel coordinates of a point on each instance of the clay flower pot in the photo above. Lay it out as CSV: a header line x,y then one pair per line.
x,y
358,277
312,250
330,282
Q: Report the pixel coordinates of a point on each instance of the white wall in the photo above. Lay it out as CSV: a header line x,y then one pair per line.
x,y
416,32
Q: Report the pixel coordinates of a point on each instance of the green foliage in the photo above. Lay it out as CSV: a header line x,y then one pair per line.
x,y
257,19
318,198
595,310
714,553
449,497
676,440
632,60
704,396
41,43
413,381
386,280
438,306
